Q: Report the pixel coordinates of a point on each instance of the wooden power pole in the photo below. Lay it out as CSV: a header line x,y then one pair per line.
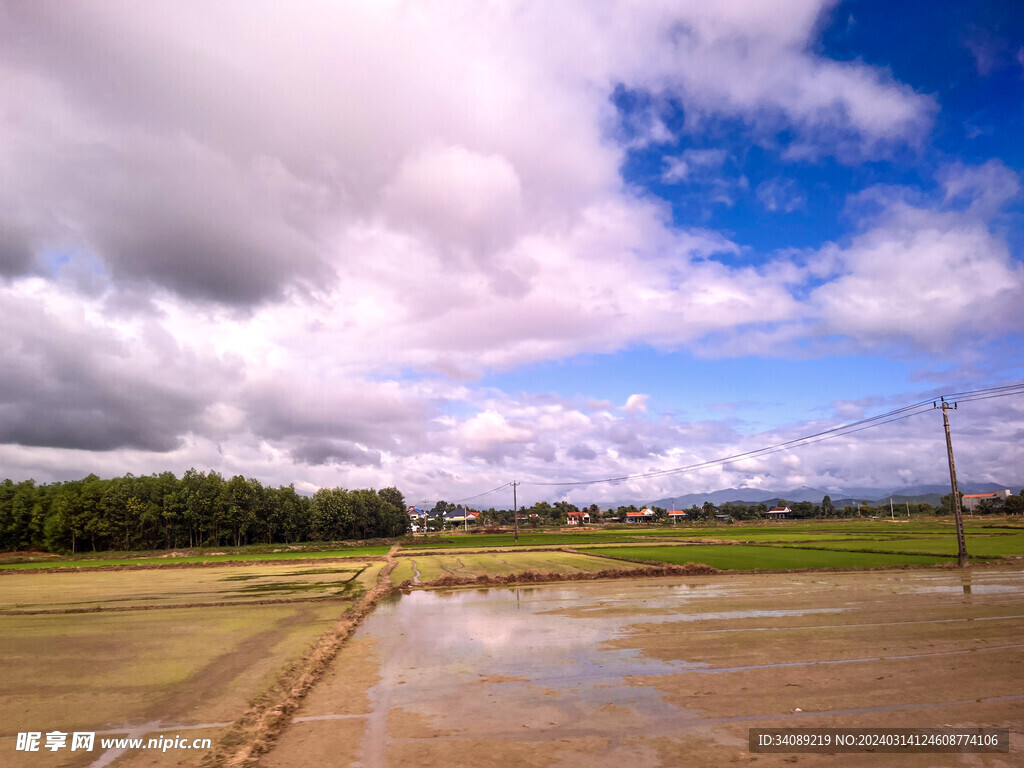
x,y
515,510
957,512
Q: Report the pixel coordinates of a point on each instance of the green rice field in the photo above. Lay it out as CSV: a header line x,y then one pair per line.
x,y
740,557
433,566
978,545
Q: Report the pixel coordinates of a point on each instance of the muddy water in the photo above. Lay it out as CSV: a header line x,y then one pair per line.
x,y
666,671
511,664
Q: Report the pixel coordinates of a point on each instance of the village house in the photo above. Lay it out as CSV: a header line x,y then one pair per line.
x,y
417,517
779,513
645,515
676,514
461,517
578,518
972,500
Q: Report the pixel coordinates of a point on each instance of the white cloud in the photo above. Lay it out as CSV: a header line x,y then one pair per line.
x,y
636,404
694,165
983,188
457,196
782,195
936,276
287,234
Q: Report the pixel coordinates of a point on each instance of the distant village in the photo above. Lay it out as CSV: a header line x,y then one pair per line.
x,y
448,516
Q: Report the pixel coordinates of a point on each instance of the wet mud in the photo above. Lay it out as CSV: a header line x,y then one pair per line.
x,y
669,671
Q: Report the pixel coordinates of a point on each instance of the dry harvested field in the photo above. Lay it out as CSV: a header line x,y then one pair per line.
x,y
156,651
669,671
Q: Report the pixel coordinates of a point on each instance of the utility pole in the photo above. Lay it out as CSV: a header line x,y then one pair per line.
x,y
515,510
892,513
961,544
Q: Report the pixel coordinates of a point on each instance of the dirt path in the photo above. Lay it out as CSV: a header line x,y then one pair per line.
x,y
256,731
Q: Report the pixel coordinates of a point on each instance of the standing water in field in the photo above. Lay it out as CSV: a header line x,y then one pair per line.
x,y
529,663
667,671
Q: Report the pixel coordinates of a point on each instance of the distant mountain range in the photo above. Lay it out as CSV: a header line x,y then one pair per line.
x,y
841,497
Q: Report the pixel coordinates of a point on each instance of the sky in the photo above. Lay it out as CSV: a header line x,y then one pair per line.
x,y
446,246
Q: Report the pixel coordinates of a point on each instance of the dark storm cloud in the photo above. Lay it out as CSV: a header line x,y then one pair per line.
x,y
101,423
323,423
176,215
582,452
16,252
136,155
317,452
74,387
15,255
198,233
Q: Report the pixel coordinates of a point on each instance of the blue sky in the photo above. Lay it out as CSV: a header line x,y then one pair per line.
x,y
448,246
761,391
967,58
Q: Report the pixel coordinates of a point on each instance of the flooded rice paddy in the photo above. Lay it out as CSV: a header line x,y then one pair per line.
x,y
668,671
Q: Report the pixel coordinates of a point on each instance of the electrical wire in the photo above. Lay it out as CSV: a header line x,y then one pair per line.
x,y
839,431
955,395
485,493
898,414
470,498
914,409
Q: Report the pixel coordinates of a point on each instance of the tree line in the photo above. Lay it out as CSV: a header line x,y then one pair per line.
x,y
163,511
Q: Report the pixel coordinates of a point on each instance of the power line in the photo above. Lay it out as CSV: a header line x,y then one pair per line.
x,y
898,414
987,397
957,395
839,431
470,498
485,493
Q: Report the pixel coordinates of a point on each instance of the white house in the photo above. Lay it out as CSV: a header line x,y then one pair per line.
x,y
645,515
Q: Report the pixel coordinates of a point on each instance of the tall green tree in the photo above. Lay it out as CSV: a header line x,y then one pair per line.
x,y
828,509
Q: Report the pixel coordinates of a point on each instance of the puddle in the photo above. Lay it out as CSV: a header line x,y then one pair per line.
x,y
751,614
864,660
493,652
901,623
969,589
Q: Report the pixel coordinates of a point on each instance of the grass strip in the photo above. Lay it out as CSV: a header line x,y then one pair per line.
x,y
537,577
139,563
